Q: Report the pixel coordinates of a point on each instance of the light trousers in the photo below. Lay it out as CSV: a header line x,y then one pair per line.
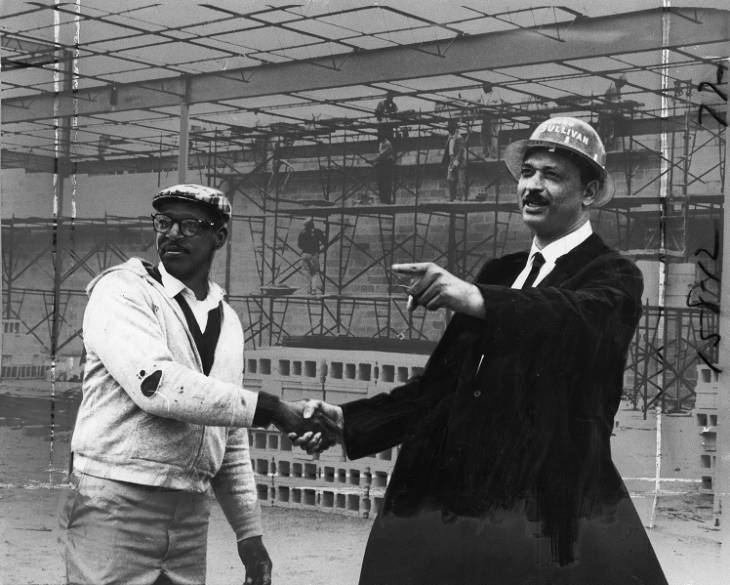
x,y
118,533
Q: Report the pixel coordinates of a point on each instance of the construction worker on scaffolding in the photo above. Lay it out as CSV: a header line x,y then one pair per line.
x,y
312,242
455,159
489,131
384,164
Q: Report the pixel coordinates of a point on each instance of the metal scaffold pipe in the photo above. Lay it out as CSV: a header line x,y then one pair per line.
x,y
664,189
722,484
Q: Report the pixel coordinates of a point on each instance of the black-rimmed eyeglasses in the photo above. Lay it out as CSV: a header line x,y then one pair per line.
x,y
189,226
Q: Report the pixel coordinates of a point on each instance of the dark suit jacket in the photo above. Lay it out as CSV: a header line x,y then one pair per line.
x,y
513,413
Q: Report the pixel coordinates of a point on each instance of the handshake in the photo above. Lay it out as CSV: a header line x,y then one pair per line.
x,y
313,425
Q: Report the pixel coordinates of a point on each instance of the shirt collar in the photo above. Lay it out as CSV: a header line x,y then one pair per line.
x,y
562,246
173,287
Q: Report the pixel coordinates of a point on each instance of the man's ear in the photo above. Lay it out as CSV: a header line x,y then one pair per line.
x,y
221,235
590,193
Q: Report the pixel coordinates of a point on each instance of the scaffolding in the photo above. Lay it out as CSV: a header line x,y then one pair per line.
x,y
306,154
422,225
461,234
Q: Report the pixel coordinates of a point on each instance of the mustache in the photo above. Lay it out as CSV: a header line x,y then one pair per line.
x,y
534,198
171,248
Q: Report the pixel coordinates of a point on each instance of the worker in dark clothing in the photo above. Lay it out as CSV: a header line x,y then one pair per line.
x,y
386,107
384,165
311,242
609,117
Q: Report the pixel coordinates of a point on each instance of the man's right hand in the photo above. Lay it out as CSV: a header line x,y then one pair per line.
x,y
325,415
312,428
435,288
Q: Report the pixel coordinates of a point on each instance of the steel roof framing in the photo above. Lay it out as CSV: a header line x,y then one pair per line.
x,y
584,38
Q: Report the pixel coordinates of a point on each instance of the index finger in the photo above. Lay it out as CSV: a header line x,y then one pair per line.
x,y
410,268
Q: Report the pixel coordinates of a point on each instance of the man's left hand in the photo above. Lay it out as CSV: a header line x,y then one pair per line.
x,y
256,559
435,288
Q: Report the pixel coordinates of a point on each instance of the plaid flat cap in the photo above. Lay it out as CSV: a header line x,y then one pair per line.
x,y
198,194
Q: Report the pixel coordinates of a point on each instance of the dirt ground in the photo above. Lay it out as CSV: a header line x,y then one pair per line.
x,y
307,548
311,548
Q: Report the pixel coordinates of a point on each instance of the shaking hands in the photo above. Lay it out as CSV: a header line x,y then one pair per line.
x,y
329,424
313,425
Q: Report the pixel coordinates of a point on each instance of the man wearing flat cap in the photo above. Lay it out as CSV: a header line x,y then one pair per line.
x,y
504,475
163,414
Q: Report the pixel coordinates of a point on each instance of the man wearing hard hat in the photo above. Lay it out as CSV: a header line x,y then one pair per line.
x,y
504,474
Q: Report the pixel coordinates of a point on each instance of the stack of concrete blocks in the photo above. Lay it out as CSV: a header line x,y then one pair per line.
x,y
706,417
288,477
23,359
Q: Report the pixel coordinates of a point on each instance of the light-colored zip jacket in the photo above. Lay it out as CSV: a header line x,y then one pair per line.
x,y
148,414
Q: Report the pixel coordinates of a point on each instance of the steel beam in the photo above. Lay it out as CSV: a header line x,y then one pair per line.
x,y
25,45
581,38
28,53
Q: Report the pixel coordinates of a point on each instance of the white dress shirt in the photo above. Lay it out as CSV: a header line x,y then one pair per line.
x,y
552,252
200,309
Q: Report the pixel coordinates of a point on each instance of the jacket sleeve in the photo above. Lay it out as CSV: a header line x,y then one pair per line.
x,y
235,487
121,327
383,421
598,314
607,301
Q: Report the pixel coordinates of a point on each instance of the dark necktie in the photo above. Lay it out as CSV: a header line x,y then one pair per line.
x,y
537,262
